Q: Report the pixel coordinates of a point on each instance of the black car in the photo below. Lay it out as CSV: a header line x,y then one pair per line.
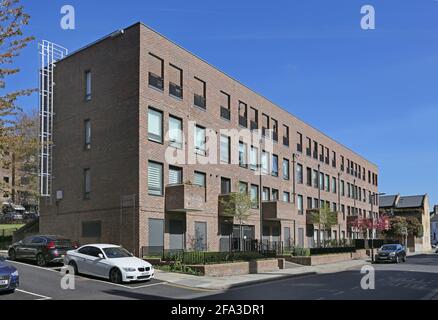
x,y
391,253
41,249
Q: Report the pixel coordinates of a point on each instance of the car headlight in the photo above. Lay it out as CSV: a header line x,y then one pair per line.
x,y
392,254
15,273
129,269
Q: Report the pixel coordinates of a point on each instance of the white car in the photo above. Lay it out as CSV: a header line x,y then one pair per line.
x,y
110,262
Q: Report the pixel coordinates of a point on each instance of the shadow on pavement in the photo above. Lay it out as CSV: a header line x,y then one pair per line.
x,y
134,295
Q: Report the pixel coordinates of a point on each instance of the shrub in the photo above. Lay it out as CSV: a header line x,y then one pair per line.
x,y
300,252
321,251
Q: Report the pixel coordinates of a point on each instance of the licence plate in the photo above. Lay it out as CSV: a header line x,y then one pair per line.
x,y
145,274
4,282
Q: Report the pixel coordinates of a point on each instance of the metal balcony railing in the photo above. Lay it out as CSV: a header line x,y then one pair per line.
x,y
225,113
156,81
199,101
175,90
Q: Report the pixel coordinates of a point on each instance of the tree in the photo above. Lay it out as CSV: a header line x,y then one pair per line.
x,y
398,227
12,41
237,205
414,227
325,218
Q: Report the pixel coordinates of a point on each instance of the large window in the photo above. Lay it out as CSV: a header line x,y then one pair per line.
x,y
264,158
200,92
155,125
274,165
309,176
200,141
327,183
175,81
253,158
254,196
266,194
87,183
285,135
286,174
175,175
334,185
225,185
321,181
299,142
225,149
156,72
155,178
300,204
253,119
225,104
309,147
286,196
243,114
315,178
175,132
200,179
265,125
300,178
274,129
88,85
87,129
243,155
343,188
274,194
315,150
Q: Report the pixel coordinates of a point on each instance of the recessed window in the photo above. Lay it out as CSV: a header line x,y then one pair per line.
x,y
175,132
253,119
274,165
155,125
200,179
286,174
225,104
299,142
309,147
264,159
91,229
87,133
243,155
175,175
225,149
243,114
286,196
286,135
225,185
200,141
334,185
243,187
274,194
155,178
274,130
300,178
327,183
87,183
315,178
200,93
300,204
327,156
265,125
266,194
254,194
333,159
315,150
309,176
156,71
88,85
6,179
253,158
175,81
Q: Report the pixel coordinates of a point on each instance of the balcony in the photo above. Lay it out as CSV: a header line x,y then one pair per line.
x,y
200,101
175,90
185,198
156,81
277,210
225,113
243,121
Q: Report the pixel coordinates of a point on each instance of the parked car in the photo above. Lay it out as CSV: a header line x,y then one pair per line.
x,y
109,262
31,215
9,278
391,253
43,249
13,216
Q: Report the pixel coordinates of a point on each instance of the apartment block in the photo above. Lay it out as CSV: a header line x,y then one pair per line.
x,y
119,105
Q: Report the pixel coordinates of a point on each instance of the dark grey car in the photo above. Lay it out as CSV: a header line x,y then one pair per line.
x,y
395,253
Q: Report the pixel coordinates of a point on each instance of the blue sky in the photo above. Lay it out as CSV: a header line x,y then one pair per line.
x,y
375,91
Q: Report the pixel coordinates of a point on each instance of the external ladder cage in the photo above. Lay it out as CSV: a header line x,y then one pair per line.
x,y
49,54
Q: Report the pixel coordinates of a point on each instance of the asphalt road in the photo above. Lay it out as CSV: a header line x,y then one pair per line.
x,y
416,279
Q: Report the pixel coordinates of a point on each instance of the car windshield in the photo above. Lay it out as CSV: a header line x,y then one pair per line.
x,y
389,248
116,252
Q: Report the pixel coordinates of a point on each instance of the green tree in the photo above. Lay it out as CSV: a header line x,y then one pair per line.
x,y
325,218
398,226
414,227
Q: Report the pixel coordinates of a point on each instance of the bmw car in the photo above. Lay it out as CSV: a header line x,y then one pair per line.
x,y
9,279
109,262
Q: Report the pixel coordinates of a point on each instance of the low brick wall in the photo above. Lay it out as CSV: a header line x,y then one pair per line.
x,y
328,258
237,268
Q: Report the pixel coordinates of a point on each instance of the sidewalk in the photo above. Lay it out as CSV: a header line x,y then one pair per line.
x,y
223,283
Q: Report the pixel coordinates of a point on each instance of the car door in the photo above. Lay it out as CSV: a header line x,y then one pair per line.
x,y
80,258
35,247
98,266
22,249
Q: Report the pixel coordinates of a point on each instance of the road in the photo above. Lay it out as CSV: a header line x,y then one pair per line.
x,y
416,279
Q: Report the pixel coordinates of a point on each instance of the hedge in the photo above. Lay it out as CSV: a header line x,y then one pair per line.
x,y
197,258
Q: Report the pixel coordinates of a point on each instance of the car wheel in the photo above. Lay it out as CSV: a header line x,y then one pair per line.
x,y
12,255
74,266
40,260
404,259
115,276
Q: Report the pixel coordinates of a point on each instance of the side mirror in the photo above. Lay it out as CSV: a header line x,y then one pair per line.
x,y
101,256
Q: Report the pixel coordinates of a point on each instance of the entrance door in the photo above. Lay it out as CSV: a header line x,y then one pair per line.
x,y
301,237
156,236
176,234
201,236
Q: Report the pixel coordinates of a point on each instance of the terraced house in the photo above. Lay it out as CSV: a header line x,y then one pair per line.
x,y
119,105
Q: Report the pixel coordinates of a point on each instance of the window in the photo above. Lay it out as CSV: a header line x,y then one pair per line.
x,y
243,155
327,183
264,159
225,103
225,185
315,203
91,229
321,153
286,196
348,166
334,207
155,125
175,175
274,130
225,149
309,203
6,179
156,72
254,196
285,169
334,185
243,114
321,181
300,178
274,194
309,176
369,176
333,159
200,92
243,187
348,190
265,125
343,188
286,135
253,158
327,156
299,142
87,183
274,165
200,179
200,141
266,194
88,85
315,178
253,119
175,81
342,163
87,129
155,178
175,132
315,150
300,205
309,147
